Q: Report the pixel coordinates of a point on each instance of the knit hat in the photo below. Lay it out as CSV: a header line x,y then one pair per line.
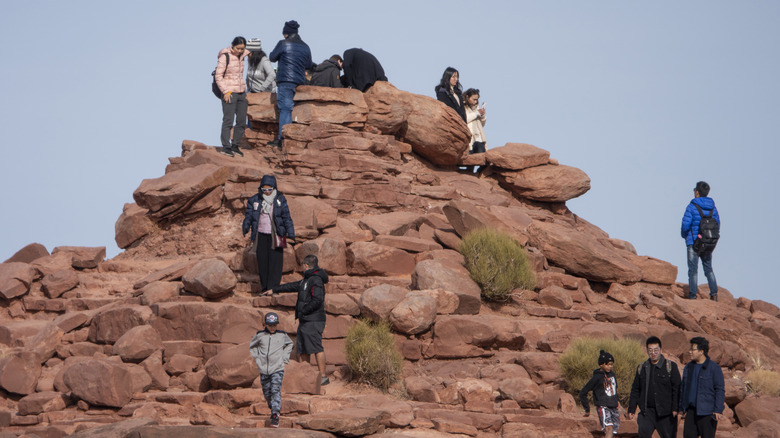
x,y
271,318
253,44
267,180
605,357
290,27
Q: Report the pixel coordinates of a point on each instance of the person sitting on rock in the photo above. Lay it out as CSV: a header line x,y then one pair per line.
x,y
271,350
449,91
268,217
294,57
326,74
309,311
361,70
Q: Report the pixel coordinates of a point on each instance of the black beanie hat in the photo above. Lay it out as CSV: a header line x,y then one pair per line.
x,y
290,27
605,357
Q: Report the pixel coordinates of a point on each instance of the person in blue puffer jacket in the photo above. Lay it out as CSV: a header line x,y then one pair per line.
x,y
268,218
294,57
689,231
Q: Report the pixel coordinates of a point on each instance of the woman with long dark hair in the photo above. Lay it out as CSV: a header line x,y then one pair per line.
x,y
261,75
229,76
449,91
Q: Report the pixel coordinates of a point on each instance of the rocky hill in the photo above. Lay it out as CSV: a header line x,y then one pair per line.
x,y
154,342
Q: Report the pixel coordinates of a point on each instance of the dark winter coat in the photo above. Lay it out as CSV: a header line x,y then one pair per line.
x,y
666,387
311,295
361,70
598,384
281,213
326,75
691,218
294,57
446,96
711,389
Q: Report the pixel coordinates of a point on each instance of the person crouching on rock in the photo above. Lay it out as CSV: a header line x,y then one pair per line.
x,y
310,312
268,218
271,350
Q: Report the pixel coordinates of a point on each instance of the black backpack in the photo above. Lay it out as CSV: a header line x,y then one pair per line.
x,y
214,86
709,233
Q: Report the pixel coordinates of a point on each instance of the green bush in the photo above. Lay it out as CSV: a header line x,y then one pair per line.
x,y
763,382
581,358
372,355
497,263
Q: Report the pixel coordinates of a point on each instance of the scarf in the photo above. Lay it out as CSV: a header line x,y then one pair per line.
x,y
268,202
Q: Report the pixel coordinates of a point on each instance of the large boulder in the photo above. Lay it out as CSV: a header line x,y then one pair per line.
x,y
377,302
347,422
415,314
132,225
207,322
15,279
232,368
138,343
434,274
517,156
210,278
41,402
331,105
54,285
753,409
176,191
83,257
19,373
368,258
110,324
100,382
393,224
434,130
29,253
548,183
331,253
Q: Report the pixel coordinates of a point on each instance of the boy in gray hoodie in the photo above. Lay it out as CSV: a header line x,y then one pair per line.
x,y
271,349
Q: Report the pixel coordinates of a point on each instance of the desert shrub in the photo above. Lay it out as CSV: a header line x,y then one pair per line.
x,y
497,263
763,382
372,355
579,360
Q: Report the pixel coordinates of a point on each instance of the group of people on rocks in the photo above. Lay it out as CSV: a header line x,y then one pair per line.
x,y
660,394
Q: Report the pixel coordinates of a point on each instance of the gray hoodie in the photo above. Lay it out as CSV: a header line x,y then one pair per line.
x,y
270,350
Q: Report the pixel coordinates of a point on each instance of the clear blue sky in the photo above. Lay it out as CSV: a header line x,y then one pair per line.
x,y
646,97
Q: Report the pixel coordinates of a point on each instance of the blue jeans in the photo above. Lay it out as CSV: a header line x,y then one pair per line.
x,y
285,91
693,267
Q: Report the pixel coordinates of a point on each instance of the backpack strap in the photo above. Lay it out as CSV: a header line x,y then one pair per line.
x,y
701,212
227,62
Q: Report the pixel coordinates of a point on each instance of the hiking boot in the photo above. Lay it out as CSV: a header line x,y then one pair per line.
x,y
277,143
714,297
274,420
325,380
237,151
226,151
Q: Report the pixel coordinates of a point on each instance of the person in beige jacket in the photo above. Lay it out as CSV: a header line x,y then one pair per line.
x,y
230,80
475,119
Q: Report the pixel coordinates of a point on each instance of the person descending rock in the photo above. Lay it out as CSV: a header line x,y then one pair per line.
x,y
229,76
326,74
271,350
310,312
656,390
605,396
449,91
702,393
294,57
690,230
361,70
268,218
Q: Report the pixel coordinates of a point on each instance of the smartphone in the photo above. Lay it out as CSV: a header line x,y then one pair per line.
x,y
483,105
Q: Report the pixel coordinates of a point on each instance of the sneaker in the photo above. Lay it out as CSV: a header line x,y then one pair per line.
x,y
237,151
714,297
275,143
225,151
325,380
274,420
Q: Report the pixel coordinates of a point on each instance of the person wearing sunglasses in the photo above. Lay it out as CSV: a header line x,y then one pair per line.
x,y
268,218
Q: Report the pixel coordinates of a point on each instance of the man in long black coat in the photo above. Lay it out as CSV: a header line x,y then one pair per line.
x,y
361,70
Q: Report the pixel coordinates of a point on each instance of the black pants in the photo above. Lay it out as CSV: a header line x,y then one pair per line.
x,y
269,262
235,110
703,426
648,421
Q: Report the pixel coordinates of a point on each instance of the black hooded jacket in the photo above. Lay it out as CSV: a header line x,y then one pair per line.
x,y
361,70
445,96
326,75
604,394
311,295
665,389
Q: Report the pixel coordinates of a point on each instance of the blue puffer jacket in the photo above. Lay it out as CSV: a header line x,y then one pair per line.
x,y
294,58
691,218
710,391
282,220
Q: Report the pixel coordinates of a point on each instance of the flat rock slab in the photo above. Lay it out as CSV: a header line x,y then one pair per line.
x,y
83,257
346,422
517,156
547,183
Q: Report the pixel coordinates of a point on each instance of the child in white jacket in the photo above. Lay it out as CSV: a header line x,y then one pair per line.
x,y
271,349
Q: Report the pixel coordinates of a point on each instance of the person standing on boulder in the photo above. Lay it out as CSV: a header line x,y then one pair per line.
x,y
326,74
690,230
361,70
268,218
703,392
449,91
229,76
475,119
294,57
271,350
656,390
310,312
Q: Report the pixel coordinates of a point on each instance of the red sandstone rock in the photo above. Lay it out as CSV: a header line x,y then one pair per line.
x,y
367,258
310,215
411,244
170,273
40,402
757,408
19,372
555,296
547,183
100,382
624,294
341,304
210,278
763,306
206,414
331,253
83,257
446,301
346,422
391,224
414,314
44,344
379,301
138,343
301,378
517,156
431,274
459,336
59,282
232,367
110,324
522,390
434,131
159,292
154,367
28,253
132,225
205,322
15,279
654,270
175,192
17,333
